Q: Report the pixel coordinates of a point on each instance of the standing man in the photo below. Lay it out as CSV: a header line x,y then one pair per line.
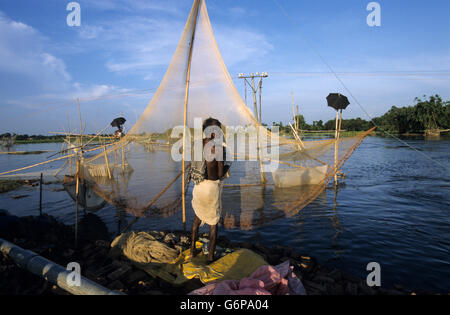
x,y
207,175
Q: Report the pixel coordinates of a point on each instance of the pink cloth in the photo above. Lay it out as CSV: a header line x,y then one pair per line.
x,y
266,280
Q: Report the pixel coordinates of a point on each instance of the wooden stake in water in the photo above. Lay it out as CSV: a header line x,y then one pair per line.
x,y
77,178
40,196
336,145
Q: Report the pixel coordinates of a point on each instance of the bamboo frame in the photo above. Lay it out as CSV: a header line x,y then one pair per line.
x,y
188,76
107,162
46,162
76,200
336,145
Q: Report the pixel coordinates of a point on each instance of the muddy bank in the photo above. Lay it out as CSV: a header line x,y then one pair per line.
x,y
55,241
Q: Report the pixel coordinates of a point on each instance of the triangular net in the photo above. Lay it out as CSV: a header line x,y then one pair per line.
x,y
140,175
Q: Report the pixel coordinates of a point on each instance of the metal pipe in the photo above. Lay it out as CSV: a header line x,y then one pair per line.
x,y
51,271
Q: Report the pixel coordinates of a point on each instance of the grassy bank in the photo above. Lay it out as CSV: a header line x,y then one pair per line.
x,y
9,185
30,141
25,152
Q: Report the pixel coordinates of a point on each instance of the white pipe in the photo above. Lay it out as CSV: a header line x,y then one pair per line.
x,y
51,271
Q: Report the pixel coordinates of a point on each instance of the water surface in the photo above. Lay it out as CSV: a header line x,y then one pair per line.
x,y
393,208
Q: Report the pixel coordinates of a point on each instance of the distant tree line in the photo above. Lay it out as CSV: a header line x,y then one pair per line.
x,y
431,113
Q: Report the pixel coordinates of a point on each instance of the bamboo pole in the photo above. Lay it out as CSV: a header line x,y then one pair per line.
x,y
188,76
61,168
260,92
336,144
293,109
76,201
81,123
107,162
302,145
46,162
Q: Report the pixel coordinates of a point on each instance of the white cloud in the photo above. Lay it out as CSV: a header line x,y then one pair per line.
x,y
142,45
33,80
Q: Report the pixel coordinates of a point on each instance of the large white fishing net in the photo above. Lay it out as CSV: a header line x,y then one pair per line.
x,y
140,174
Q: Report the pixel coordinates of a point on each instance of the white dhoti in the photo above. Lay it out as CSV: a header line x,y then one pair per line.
x,y
207,201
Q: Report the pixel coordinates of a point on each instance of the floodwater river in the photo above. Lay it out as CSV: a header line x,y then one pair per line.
x,y
392,208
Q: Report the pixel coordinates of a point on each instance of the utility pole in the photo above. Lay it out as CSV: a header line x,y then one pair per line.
x,y
255,89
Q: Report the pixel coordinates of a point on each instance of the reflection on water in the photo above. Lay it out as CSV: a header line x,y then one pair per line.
x,y
392,208
87,198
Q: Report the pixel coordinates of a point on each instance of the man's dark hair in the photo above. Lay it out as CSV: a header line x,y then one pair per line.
x,y
211,122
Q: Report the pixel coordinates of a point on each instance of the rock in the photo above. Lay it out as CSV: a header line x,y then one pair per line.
x,y
306,266
247,245
316,286
350,278
68,253
154,292
401,288
283,259
296,256
103,270
102,243
390,292
335,274
325,279
164,284
116,285
118,273
262,249
365,289
337,289
136,276
223,241
273,259
351,288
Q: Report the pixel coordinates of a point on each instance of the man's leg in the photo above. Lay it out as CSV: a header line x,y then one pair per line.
x,y
194,238
213,229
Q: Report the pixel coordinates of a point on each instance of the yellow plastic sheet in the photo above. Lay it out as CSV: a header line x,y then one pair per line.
x,y
233,266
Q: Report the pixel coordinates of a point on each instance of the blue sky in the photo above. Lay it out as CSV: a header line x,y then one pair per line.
x,y
124,47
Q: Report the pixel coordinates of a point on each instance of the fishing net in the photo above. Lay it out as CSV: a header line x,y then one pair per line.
x,y
270,177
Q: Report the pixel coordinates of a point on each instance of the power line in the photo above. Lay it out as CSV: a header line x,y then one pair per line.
x,y
255,89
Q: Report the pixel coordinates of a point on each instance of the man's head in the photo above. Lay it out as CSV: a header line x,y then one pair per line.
x,y
211,122
211,126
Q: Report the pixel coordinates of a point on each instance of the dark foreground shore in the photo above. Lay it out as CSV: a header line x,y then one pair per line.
x,y
55,241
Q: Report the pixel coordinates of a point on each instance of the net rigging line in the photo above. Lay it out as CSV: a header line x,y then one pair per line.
x,y
335,74
414,73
